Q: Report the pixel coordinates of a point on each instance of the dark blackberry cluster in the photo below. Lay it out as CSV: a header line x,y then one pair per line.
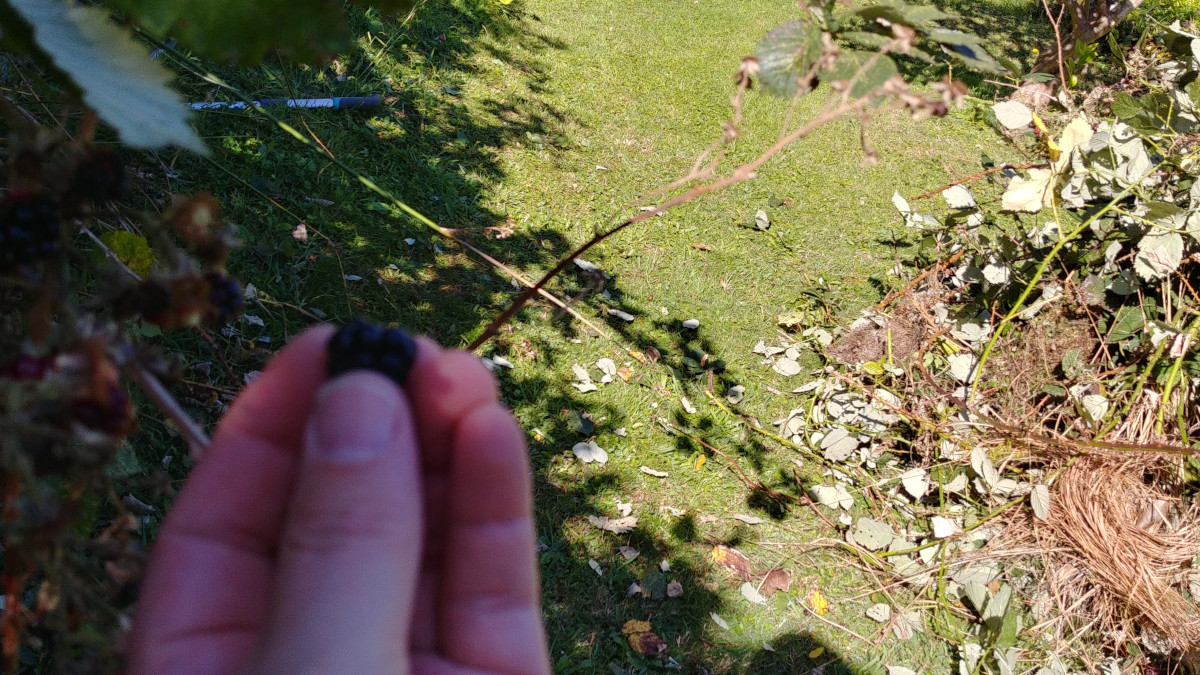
x,y
226,296
361,345
100,177
29,227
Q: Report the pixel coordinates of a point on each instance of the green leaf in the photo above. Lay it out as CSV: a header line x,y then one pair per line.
x,y
867,70
1128,323
580,424
1159,254
894,11
126,88
785,54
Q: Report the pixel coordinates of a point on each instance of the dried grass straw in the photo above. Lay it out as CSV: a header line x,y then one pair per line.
x,y
1118,550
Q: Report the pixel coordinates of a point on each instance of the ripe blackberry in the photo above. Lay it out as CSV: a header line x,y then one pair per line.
x,y
363,345
226,296
29,228
28,368
100,177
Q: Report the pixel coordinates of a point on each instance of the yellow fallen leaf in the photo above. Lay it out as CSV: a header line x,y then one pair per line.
x,y
1051,147
816,653
637,355
642,639
700,461
818,602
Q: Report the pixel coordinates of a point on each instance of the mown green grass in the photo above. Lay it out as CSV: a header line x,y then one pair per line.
x,y
556,120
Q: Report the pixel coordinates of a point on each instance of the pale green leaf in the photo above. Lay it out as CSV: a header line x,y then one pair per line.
x,y
126,88
1159,254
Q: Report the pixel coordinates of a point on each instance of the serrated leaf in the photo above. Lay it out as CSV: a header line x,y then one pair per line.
x,y
126,88
997,607
996,274
1159,254
962,367
863,71
1039,499
1013,114
838,444
1095,407
785,54
983,467
1029,194
834,497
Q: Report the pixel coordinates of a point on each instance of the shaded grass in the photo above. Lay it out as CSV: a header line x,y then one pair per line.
x,y
527,132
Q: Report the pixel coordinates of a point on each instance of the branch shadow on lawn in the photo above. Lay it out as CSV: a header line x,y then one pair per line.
x,y
438,144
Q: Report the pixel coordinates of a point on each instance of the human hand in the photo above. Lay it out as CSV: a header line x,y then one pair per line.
x,y
351,527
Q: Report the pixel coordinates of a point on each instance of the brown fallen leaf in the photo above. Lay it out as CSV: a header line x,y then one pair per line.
x,y
734,560
652,354
625,373
702,247
629,552
776,580
300,234
642,638
674,589
501,231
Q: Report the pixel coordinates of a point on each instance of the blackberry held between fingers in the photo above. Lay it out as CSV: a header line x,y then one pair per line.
x,y
361,345
29,227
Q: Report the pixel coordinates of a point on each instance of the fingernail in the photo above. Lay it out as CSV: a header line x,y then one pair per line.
x,y
354,418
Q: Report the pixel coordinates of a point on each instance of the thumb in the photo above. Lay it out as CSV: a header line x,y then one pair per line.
x,y
350,550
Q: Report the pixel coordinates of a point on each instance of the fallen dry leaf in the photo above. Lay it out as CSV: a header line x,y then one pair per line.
x,y
300,234
625,373
734,560
642,638
615,525
652,354
674,589
702,247
700,462
654,472
629,552
776,580
637,355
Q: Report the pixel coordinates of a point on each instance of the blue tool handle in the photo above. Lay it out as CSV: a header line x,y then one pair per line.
x,y
357,102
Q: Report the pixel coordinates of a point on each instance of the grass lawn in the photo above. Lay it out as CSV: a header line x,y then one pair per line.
x,y
527,129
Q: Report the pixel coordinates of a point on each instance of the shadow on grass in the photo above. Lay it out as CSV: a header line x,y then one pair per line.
x,y
438,144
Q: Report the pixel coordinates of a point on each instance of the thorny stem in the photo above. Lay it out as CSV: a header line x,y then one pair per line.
x,y
1037,275
1056,23
196,438
1173,375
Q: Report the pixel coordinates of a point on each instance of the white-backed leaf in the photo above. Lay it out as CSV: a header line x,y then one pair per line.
x,y
915,482
959,197
718,620
1095,407
1012,114
1029,194
615,525
786,367
691,324
1159,254
735,394
749,520
880,612
1039,499
751,593
653,472
590,452
125,87
900,670
872,534
944,527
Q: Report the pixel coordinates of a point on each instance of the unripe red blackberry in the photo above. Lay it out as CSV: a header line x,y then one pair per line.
x,y
100,177
29,229
361,345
